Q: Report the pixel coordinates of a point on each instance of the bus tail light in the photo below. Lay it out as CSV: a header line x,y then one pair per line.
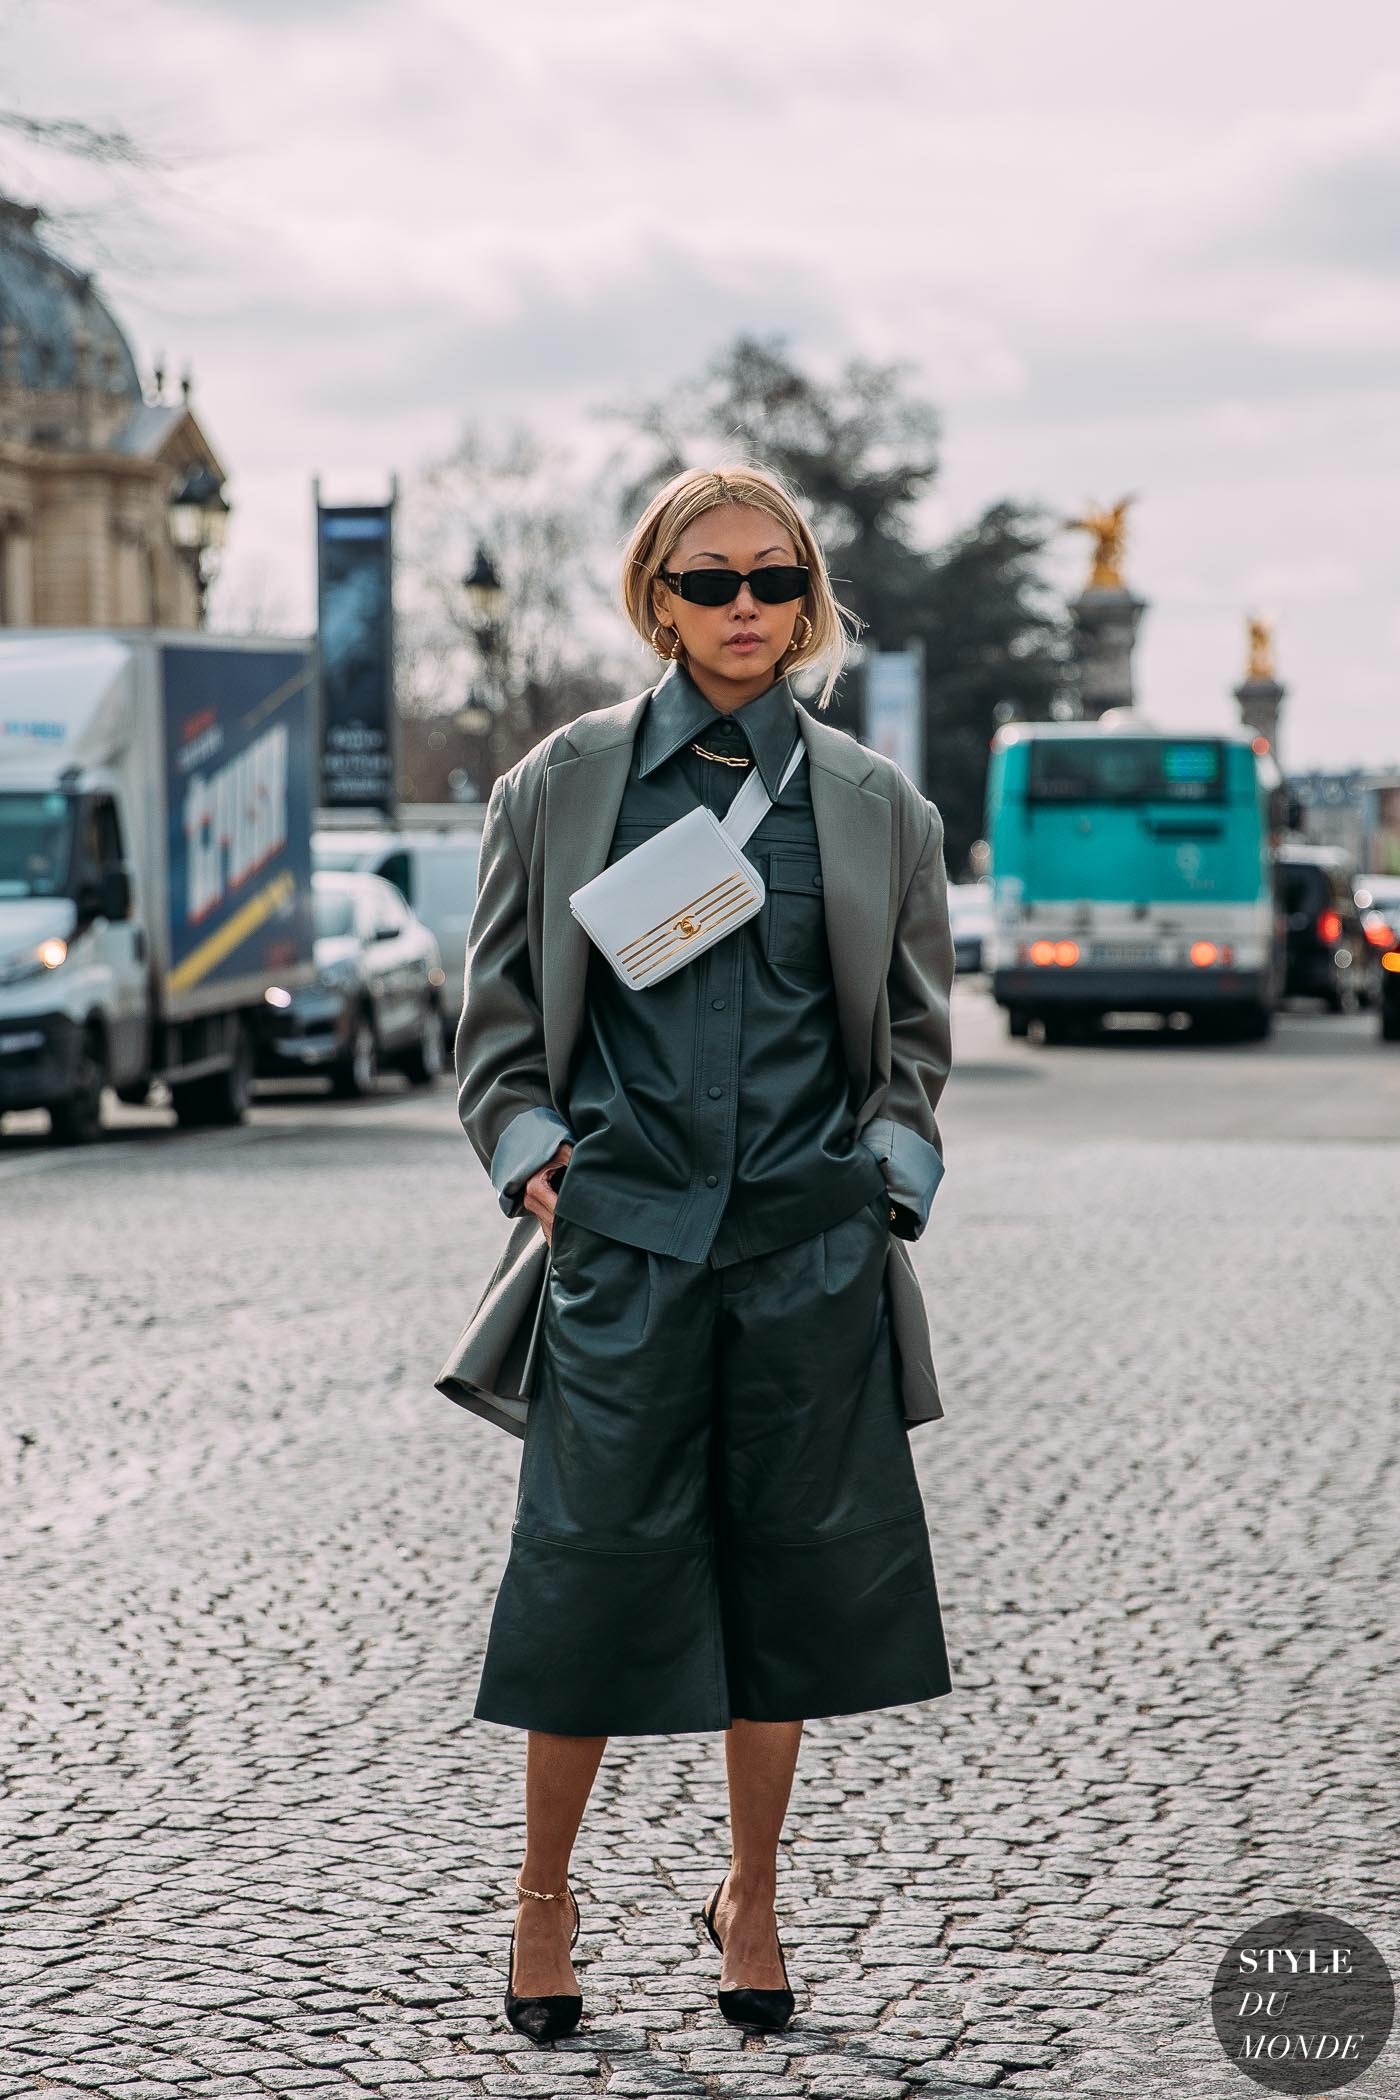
x,y
1043,952
1329,927
1205,953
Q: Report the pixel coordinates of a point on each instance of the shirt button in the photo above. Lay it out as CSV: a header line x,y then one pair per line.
x,y
816,882
712,1181
718,1005
715,1092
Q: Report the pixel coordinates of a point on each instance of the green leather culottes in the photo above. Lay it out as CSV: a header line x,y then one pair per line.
x,y
718,1514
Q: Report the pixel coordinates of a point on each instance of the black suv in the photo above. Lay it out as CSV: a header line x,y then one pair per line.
x,y
1327,953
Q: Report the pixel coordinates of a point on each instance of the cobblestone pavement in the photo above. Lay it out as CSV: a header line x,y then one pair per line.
x,y
252,1842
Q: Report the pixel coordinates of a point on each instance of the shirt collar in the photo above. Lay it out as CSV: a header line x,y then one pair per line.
x,y
678,711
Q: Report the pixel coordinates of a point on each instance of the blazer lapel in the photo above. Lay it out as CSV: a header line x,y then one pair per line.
x,y
582,797
855,840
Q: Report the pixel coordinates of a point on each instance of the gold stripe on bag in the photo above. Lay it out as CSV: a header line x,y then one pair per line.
x,y
696,904
639,971
729,899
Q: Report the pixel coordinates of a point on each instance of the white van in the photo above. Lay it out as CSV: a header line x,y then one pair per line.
x,y
431,859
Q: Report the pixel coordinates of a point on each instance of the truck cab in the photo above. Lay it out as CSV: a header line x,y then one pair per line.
x,y
74,953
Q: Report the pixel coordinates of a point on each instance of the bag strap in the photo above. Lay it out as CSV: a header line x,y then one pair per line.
x,y
753,801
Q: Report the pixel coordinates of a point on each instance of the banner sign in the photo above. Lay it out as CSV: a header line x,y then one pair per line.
x,y
894,708
354,578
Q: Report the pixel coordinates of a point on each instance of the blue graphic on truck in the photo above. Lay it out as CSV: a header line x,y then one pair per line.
x,y
240,760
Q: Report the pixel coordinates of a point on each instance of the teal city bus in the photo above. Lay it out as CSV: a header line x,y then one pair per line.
x,y
1132,871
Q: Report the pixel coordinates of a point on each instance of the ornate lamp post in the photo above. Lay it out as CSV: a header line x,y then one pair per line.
x,y
199,513
485,595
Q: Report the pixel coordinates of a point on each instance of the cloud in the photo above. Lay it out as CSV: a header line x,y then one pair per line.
x,y
1144,247
1166,368
1342,214
656,315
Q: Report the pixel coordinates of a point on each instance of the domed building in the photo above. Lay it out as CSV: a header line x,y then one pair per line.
x,y
111,504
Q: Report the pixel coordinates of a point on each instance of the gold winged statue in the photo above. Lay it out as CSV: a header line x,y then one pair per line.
x,y
1110,530
1261,648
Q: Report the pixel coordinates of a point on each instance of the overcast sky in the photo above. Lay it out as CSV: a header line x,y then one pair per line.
x,y
1139,247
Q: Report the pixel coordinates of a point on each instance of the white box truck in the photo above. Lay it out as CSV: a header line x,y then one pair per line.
x,y
156,798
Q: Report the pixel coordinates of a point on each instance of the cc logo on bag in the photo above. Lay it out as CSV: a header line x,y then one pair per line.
x,y
687,928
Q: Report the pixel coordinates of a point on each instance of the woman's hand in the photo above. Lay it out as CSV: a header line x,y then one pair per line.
x,y
539,1198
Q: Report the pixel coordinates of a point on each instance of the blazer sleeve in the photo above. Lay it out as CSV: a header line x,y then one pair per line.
x,y
503,1096
905,1137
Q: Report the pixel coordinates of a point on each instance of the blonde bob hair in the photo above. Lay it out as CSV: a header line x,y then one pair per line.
x,y
686,497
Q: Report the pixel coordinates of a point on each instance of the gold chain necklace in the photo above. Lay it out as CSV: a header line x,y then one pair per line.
x,y
717,758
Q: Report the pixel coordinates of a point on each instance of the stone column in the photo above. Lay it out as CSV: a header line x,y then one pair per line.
x,y
1106,613
1259,693
1106,620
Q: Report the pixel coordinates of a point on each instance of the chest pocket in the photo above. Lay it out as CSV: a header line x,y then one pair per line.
x,y
795,930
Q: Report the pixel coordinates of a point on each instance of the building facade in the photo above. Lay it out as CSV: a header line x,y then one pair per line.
x,y
88,463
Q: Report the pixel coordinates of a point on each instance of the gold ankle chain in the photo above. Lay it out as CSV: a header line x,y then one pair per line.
x,y
543,1895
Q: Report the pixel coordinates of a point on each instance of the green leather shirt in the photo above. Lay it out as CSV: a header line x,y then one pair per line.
x,y
711,1113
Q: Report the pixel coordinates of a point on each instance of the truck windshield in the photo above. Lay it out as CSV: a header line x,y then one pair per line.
x,y
36,844
1126,769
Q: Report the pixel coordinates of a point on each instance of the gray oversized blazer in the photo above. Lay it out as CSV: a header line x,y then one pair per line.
x,y
549,827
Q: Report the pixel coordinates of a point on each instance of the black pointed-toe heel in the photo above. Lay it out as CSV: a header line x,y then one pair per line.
x,y
543,2019
768,2010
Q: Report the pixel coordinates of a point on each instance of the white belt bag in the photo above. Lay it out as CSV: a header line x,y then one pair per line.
x,y
680,891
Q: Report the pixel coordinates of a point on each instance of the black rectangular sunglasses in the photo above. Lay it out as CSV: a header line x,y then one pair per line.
x,y
777,585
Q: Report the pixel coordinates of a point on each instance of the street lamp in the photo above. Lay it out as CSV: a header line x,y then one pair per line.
x,y
199,512
485,595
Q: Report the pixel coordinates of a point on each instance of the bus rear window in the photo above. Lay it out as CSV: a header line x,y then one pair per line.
x,y
1126,769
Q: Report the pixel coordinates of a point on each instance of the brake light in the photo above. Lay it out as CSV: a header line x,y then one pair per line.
x,y
1329,926
1054,951
1378,932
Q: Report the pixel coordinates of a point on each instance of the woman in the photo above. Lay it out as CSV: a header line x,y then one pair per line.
x,y
718,1523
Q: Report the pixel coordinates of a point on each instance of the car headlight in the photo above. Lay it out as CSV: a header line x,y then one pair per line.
x,y
34,962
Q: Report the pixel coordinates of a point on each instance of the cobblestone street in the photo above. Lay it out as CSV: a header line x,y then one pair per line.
x,y
253,1843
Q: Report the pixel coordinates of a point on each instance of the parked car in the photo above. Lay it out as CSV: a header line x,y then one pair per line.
x,y
1379,897
377,998
1327,953
433,867
970,915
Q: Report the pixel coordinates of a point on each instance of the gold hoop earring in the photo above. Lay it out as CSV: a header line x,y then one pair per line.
x,y
799,641
672,653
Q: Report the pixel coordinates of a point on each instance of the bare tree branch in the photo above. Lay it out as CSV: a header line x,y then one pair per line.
x,y
83,141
